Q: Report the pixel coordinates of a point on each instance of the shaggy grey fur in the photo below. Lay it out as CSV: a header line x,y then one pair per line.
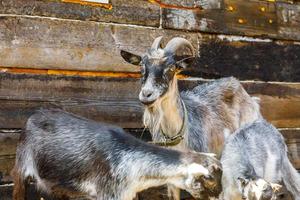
x,y
213,110
62,150
257,151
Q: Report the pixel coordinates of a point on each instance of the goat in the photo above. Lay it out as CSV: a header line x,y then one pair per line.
x,y
254,161
196,120
64,152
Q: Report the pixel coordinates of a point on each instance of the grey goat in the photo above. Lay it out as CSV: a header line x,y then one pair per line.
x,y
198,119
255,161
64,152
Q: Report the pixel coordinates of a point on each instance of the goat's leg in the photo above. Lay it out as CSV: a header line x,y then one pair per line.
x,y
20,184
173,192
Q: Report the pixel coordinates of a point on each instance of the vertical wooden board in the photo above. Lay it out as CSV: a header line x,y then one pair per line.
x,y
123,11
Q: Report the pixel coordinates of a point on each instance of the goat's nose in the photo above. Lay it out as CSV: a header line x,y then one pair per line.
x,y
147,93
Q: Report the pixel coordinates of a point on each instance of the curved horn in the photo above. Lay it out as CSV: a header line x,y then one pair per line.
x,y
177,42
156,43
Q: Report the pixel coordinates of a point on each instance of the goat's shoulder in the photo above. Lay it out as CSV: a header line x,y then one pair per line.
x,y
258,132
224,87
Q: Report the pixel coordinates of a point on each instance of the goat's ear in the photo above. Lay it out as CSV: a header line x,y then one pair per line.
x,y
131,58
276,187
184,62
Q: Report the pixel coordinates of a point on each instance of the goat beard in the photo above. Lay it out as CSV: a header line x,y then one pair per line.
x,y
154,114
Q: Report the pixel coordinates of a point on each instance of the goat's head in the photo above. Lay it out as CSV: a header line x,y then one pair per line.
x,y
258,189
160,65
205,186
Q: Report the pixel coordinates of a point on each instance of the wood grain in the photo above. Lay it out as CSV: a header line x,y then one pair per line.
x,y
292,139
221,56
52,44
123,11
248,18
43,43
115,100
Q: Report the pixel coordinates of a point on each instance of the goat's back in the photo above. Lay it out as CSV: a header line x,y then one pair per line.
x,y
64,149
228,98
215,110
257,150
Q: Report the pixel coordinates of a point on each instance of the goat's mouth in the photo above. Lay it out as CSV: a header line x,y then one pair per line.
x,y
147,102
151,101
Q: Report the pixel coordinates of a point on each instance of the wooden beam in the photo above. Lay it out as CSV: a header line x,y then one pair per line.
x,y
44,43
119,11
52,44
275,19
247,59
115,100
288,16
248,18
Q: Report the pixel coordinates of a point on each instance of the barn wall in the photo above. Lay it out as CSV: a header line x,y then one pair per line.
x,y
59,54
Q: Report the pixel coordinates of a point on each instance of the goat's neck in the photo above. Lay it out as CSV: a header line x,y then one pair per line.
x,y
167,114
172,118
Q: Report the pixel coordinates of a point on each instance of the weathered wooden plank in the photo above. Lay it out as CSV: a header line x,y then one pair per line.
x,y
89,46
288,17
247,59
278,101
123,11
254,18
115,100
28,42
292,139
248,18
189,4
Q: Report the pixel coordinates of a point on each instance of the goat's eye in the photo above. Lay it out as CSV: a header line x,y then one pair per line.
x,y
142,70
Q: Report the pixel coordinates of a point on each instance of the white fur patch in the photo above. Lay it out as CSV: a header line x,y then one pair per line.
x,y
258,187
29,170
196,169
270,168
226,133
89,188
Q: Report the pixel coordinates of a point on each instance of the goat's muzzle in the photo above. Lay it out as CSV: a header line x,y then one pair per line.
x,y
147,97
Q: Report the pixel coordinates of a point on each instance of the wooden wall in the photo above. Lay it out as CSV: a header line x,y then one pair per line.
x,y
59,54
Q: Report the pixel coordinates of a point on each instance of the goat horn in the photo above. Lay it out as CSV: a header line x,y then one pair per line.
x,y
156,43
177,42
